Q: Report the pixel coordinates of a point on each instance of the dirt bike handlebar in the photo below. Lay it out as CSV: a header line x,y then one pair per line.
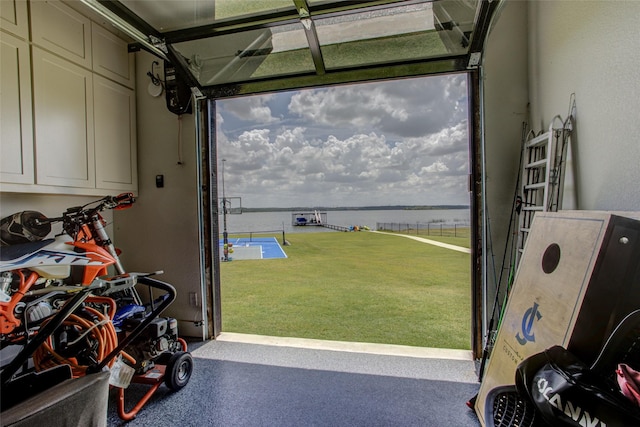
x,y
119,202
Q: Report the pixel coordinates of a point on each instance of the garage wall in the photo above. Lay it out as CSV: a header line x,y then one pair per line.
x,y
161,231
590,48
505,98
542,52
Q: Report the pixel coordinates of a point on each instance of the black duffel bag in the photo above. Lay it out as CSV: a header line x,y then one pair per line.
x,y
567,393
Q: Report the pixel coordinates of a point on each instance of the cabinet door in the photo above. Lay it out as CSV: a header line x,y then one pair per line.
x,y
13,17
115,136
63,116
16,134
61,30
111,57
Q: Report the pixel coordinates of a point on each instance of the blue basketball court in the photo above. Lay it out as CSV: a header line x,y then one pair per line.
x,y
254,248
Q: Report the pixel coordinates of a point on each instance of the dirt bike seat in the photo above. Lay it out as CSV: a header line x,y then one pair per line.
x,y
8,253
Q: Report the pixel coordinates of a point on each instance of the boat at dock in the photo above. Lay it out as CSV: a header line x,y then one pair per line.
x,y
309,218
320,219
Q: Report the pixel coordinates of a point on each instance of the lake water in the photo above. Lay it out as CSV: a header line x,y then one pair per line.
x,y
276,221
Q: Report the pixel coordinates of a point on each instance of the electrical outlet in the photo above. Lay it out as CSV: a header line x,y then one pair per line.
x,y
193,299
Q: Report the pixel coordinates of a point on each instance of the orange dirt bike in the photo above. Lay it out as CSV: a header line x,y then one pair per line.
x,y
58,301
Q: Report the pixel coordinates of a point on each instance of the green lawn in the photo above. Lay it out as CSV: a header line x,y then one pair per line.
x,y
234,8
362,287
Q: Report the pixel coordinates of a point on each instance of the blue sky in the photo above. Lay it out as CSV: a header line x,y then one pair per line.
x,y
396,142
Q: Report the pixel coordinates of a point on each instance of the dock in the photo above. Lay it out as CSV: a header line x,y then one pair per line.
x,y
319,219
336,227
349,228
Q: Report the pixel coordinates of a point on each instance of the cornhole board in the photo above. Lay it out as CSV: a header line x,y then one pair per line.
x,y
578,277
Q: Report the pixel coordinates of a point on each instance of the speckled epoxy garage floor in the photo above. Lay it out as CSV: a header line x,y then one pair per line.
x,y
244,380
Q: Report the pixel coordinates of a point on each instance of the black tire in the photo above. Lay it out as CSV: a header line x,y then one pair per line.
x,y
178,371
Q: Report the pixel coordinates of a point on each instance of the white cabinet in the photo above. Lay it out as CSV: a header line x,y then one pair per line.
x,y
16,134
61,30
115,135
68,109
13,17
63,117
111,57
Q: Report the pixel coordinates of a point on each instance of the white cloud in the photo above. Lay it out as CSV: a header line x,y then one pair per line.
x,y
415,107
252,108
403,142
357,106
436,167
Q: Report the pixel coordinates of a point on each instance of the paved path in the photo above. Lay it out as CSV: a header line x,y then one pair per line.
x,y
428,241
351,347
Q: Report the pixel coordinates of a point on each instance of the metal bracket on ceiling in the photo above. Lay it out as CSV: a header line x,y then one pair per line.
x,y
474,60
125,27
311,34
123,19
159,44
485,18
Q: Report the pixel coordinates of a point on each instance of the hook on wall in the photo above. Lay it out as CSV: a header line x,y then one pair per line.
x,y
155,86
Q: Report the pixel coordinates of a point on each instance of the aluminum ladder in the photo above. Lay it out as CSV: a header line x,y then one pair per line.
x,y
543,173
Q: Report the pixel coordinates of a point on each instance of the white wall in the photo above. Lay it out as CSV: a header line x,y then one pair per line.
x,y
541,52
161,231
505,89
505,107
590,48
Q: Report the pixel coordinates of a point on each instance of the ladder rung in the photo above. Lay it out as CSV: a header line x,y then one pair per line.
x,y
525,230
538,140
536,164
533,208
535,186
